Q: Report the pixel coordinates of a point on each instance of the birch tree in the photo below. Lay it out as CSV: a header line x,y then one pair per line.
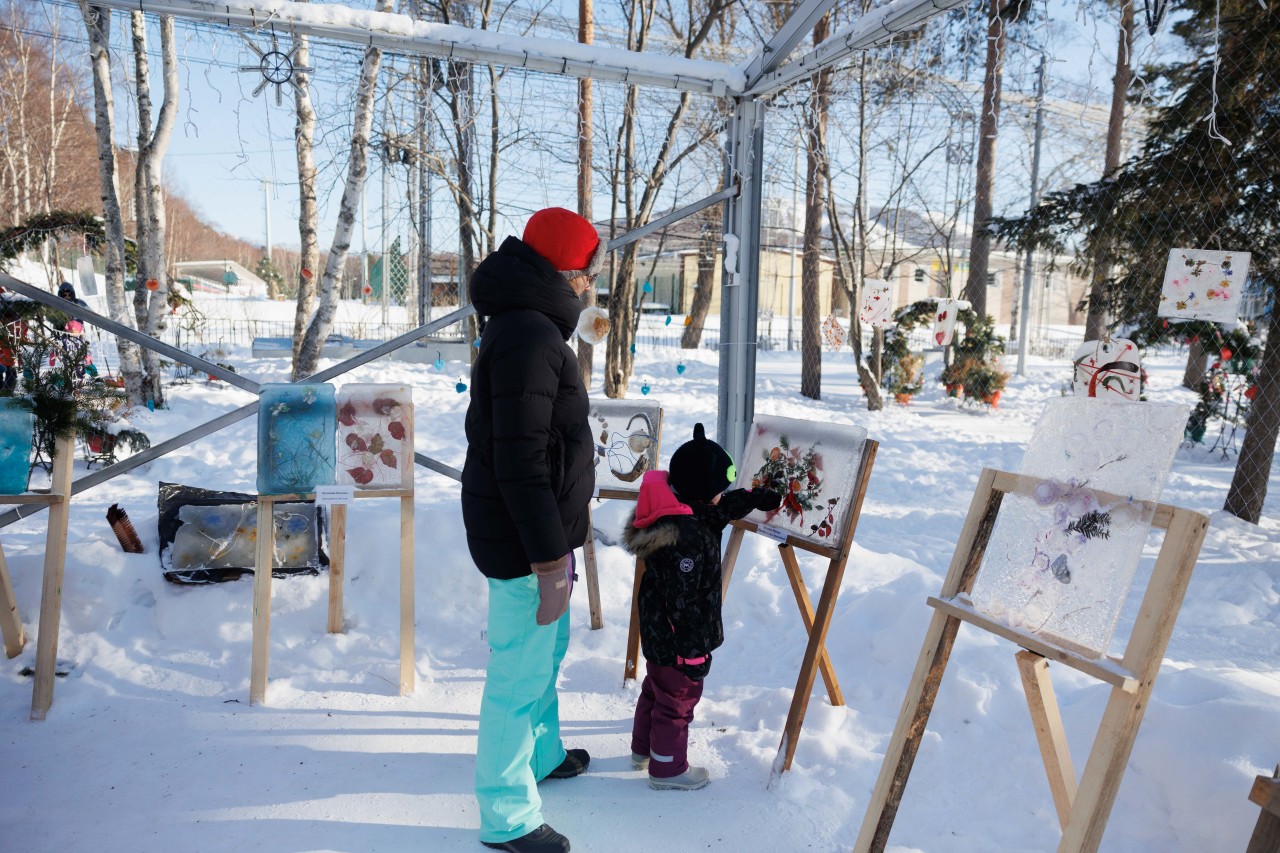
x,y
97,21
150,306
357,169
304,132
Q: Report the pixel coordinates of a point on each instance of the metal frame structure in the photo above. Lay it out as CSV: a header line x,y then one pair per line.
x,y
750,86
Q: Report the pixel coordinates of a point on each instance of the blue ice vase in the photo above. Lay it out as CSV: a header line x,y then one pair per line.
x,y
17,427
296,429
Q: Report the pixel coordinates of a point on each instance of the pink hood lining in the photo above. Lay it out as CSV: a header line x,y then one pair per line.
x,y
657,501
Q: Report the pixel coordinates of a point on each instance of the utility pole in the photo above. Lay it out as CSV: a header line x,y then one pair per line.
x,y
1035,199
266,215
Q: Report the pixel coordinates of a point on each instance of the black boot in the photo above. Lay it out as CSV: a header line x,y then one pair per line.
x,y
574,764
544,839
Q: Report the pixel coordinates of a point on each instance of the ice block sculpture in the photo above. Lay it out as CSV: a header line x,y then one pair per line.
x,y
814,466
1060,562
295,438
224,536
17,425
375,436
626,439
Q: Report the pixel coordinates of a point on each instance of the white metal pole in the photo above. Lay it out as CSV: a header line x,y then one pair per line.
x,y
386,255
266,215
1023,320
791,292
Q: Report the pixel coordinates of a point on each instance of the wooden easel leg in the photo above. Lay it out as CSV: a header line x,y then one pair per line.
x,y
55,562
930,666
263,563
815,652
633,629
729,560
806,613
337,565
1147,644
407,660
593,580
10,623
1047,720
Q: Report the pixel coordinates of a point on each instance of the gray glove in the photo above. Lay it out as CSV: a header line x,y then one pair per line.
x,y
554,586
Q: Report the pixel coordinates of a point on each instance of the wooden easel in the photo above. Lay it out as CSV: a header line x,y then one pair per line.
x,y
58,499
337,566
816,622
1083,810
1266,833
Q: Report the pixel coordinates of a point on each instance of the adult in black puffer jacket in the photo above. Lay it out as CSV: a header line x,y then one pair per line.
x,y
526,484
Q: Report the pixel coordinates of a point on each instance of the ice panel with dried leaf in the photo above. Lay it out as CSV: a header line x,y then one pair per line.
x,y
375,436
814,465
1060,561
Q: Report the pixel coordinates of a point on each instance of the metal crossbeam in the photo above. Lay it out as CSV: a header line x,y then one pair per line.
x,y
796,27
401,34
674,216
876,26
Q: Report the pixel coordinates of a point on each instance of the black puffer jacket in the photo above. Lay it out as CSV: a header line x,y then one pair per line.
x,y
679,598
528,475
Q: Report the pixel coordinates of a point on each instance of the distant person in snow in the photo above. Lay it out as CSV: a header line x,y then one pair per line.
x,y
676,529
528,478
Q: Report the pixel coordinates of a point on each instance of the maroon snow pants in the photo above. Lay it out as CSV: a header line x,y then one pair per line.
x,y
663,715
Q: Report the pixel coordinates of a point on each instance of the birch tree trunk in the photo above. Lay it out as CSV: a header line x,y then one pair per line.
x,y
975,288
97,22
357,169
709,240
150,306
308,214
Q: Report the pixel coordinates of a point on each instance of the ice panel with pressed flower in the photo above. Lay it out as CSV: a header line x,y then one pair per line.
x,y
375,436
17,424
296,424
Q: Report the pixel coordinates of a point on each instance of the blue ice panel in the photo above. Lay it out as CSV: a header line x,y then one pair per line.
x,y
296,428
17,424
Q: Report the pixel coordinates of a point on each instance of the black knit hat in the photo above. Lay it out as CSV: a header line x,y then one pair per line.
x,y
700,469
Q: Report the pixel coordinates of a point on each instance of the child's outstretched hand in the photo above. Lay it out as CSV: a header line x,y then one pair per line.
x,y
766,499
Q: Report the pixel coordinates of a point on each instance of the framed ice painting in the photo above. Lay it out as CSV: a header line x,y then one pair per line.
x,y
1060,562
1203,284
814,466
375,436
628,438
296,424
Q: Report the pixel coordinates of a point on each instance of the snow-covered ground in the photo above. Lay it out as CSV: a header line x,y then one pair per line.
x,y
152,745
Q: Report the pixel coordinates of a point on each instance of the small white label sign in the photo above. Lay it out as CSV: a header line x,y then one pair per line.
x,y
335,495
773,533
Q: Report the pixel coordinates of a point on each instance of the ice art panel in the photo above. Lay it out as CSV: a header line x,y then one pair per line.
x,y
813,465
1110,368
627,438
224,536
877,303
17,425
832,332
296,425
944,320
1203,284
375,436
1060,562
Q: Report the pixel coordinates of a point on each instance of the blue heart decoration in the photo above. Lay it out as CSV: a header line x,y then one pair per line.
x,y
460,387
667,322
644,389
648,288
438,364
680,368
633,349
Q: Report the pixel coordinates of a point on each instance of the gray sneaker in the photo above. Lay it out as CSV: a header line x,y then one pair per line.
x,y
639,762
690,780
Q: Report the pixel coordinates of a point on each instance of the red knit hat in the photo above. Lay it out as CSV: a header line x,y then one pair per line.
x,y
567,240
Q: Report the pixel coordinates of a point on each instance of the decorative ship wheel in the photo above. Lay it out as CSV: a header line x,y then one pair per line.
x,y
276,67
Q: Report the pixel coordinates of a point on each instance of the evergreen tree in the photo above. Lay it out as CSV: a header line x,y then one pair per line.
x,y
1207,176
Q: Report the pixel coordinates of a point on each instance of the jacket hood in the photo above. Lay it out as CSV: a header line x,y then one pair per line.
x,y
517,278
645,531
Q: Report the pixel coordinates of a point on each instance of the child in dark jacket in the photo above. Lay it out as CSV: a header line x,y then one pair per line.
x,y
676,530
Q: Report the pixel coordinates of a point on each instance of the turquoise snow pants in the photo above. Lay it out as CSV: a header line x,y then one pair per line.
x,y
519,740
